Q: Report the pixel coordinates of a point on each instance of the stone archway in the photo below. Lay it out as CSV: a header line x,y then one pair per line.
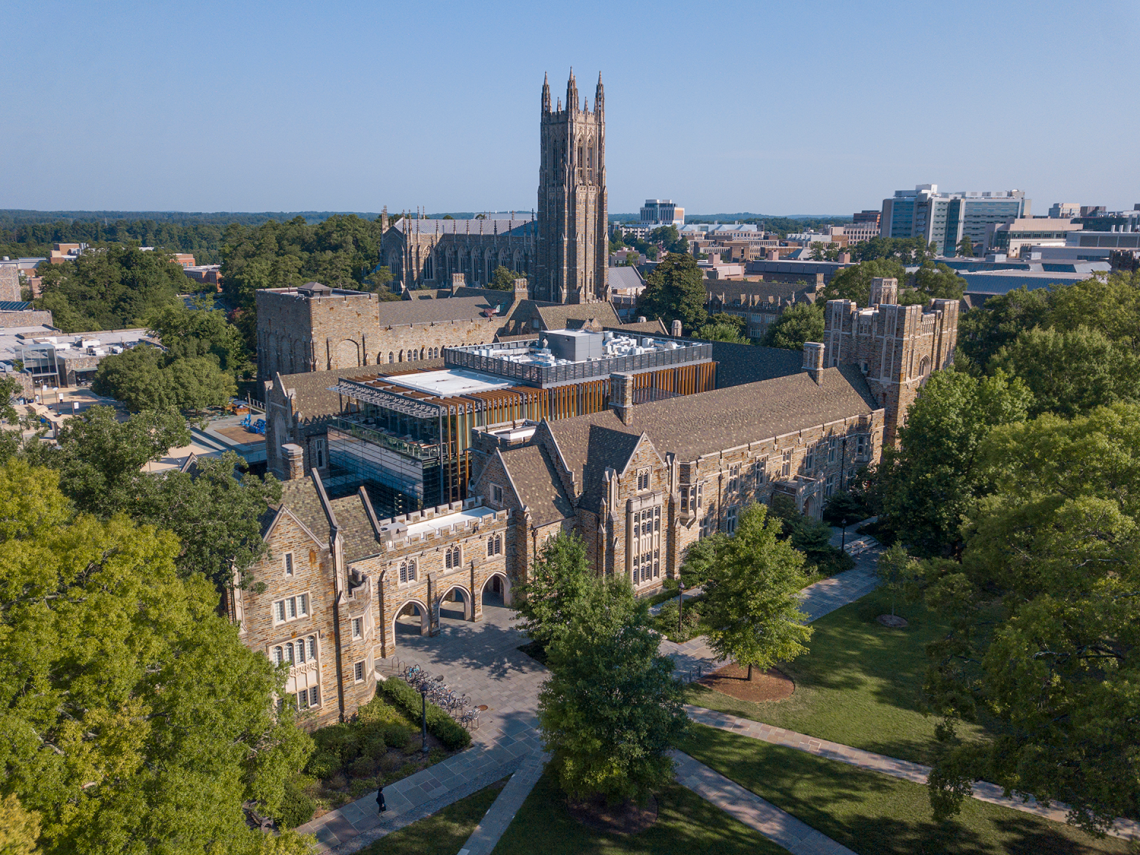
x,y
498,585
447,607
346,355
403,627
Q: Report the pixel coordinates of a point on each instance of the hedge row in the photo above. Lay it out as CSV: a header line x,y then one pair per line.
x,y
446,729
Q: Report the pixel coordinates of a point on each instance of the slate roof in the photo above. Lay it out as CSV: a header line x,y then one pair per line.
x,y
654,327
521,224
696,425
300,497
624,277
355,528
314,400
738,364
404,312
538,484
574,315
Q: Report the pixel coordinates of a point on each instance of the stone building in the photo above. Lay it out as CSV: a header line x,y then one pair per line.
x,y
426,253
572,211
896,347
640,480
317,328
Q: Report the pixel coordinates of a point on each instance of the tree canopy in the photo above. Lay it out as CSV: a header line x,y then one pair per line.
x,y
799,323
559,579
929,281
504,278
611,709
113,287
929,483
675,290
214,510
1046,614
134,718
750,603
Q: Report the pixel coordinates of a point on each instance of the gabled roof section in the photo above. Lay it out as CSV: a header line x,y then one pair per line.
x,y
356,528
576,315
299,500
738,364
406,312
537,484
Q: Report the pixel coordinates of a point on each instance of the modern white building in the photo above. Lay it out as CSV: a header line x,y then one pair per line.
x,y
945,218
662,212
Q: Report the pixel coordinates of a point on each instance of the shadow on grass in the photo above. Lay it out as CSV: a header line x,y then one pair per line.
x,y
686,825
874,814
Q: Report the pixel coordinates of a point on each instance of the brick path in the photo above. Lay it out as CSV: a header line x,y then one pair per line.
x,y
916,773
775,824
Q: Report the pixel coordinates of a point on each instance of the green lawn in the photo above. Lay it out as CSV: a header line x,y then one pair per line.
x,y
442,833
686,825
874,814
858,685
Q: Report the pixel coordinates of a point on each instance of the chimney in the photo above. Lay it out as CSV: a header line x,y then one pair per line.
x,y
884,291
621,396
458,280
675,328
521,292
844,258
813,359
294,461
773,255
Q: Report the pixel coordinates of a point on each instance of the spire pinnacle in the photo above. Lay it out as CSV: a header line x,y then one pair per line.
x,y
545,93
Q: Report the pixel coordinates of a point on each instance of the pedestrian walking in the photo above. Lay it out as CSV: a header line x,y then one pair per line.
x,y
380,800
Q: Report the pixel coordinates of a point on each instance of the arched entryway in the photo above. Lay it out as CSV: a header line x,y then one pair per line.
x,y
456,604
496,591
412,618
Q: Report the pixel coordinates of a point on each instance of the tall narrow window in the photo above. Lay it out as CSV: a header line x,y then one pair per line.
x,y
358,672
288,563
278,655
357,627
312,648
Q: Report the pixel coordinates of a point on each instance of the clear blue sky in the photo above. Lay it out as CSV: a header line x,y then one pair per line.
x,y
783,108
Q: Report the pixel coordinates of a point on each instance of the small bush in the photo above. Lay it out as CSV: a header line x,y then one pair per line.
x,y
323,764
397,735
296,807
362,767
376,712
446,729
374,747
361,786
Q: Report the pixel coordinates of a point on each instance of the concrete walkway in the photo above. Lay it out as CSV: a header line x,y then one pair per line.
x,y
905,770
482,660
777,825
491,827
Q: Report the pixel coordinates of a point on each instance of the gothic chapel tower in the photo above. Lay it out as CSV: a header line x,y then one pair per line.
x,y
572,210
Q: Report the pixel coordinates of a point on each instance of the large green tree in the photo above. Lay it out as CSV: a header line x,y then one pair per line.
x,y
799,323
215,509
111,287
1071,371
504,278
611,709
132,717
750,606
984,331
145,378
1045,609
559,579
675,290
929,483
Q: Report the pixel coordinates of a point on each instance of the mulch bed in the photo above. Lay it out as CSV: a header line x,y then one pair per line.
x,y
772,685
622,818
893,621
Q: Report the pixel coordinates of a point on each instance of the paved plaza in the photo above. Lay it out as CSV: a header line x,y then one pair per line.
x,y
482,660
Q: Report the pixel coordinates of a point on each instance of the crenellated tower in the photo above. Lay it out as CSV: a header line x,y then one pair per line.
x,y
572,209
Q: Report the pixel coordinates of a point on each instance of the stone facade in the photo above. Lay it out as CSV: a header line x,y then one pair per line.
x,y
572,206
326,598
896,347
427,253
